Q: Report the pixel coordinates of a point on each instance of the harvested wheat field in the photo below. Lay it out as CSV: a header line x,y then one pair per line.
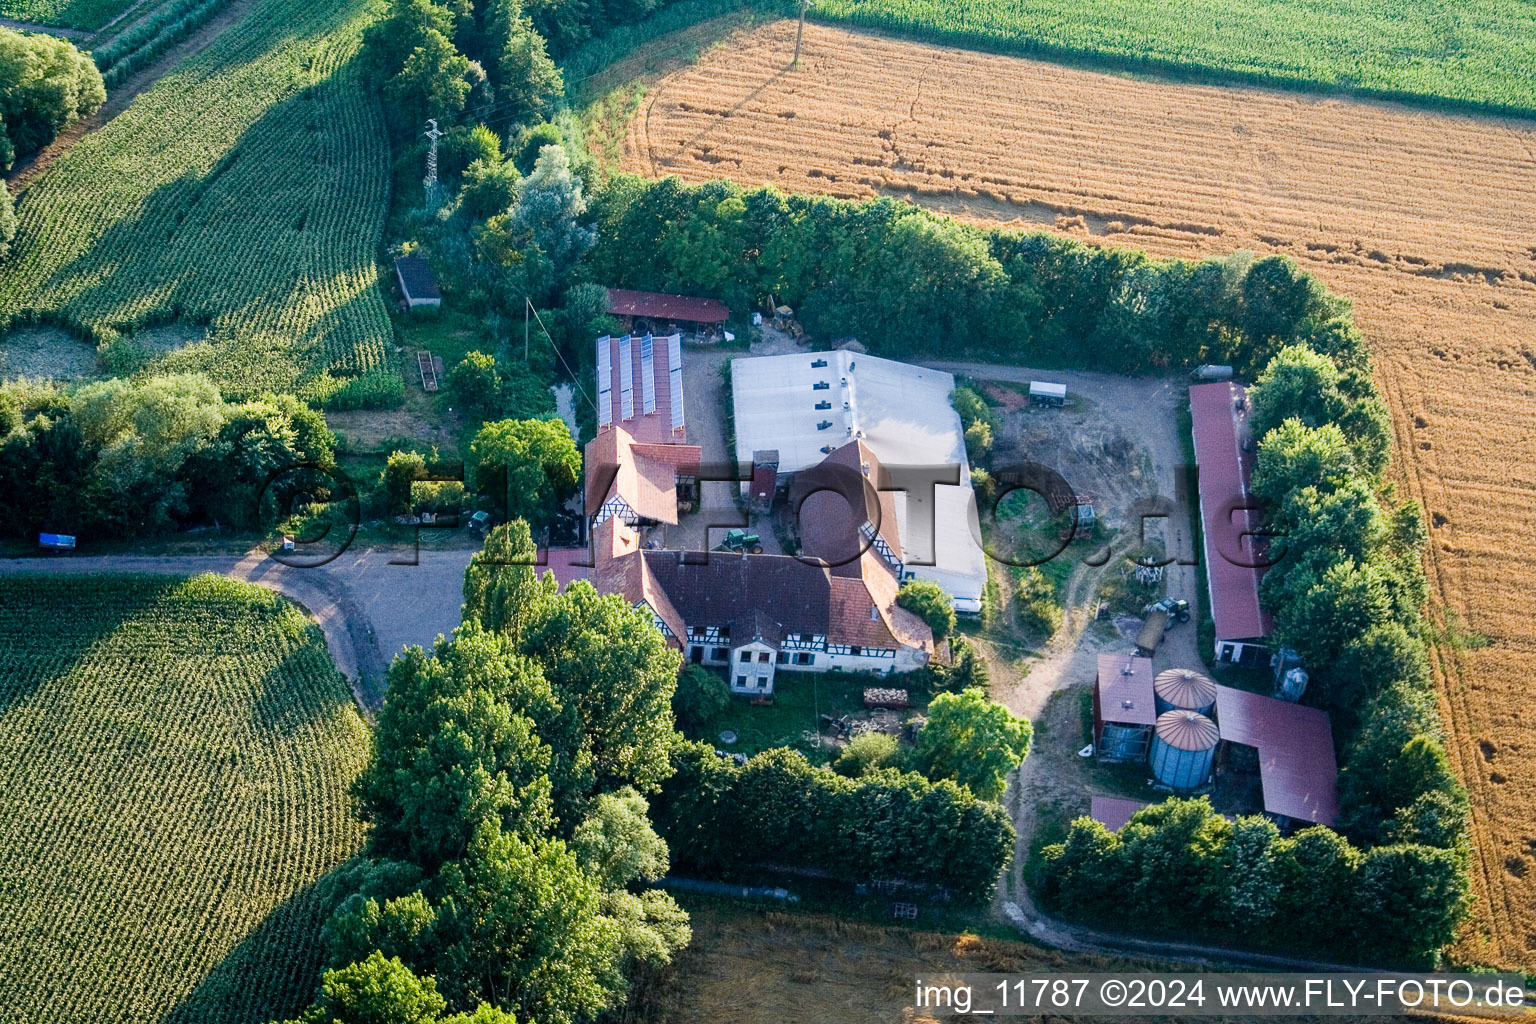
x,y
764,967
1426,221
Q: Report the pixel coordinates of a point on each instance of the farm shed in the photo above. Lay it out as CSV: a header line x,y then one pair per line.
x,y
1112,811
1124,708
1043,392
1297,769
657,313
807,405
1230,521
418,285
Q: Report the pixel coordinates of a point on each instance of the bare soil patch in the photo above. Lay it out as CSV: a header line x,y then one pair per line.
x,y
1424,220
46,352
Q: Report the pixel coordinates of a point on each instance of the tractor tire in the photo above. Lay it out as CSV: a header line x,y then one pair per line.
x,y
757,549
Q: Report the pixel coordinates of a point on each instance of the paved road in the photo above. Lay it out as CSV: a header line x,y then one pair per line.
x,y
705,395
367,607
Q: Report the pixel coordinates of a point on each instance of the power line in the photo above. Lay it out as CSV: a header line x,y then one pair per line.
x,y
575,378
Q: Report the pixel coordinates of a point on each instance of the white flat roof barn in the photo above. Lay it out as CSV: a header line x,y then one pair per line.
x,y
807,405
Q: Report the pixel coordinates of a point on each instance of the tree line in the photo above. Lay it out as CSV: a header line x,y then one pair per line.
x,y
720,818
510,856
126,458
905,281
1180,867
45,86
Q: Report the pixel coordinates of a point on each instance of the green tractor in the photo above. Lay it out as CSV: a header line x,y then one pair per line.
x,y
1176,609
742,542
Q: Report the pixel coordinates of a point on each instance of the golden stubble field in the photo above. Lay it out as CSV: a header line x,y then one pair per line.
x,y
1426,221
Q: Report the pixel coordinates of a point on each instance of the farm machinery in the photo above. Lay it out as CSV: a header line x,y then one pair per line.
x,y
742,542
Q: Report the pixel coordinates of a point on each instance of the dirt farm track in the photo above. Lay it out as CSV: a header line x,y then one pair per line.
x,y
1426,221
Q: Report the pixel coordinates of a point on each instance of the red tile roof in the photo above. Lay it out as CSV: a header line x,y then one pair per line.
x,y
568,565
1219,427
1113,811
769,595
623,302
1295,744
655,426
644,475
835,498
1117,689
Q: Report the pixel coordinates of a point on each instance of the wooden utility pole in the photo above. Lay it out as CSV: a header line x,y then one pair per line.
x,y
800,31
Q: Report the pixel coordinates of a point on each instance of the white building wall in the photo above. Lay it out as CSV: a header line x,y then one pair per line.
x,y
760,675
752,668
903,413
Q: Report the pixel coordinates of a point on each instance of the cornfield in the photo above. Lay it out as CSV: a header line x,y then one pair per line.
x,y
175,757
1475,53
246,190
148,37
1422,220
77,14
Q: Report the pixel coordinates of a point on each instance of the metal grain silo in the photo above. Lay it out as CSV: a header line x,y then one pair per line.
x,y
1183,689
1183,749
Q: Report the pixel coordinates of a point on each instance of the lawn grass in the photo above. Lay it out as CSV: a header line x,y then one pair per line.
x,y
799,699
1475,54
177,755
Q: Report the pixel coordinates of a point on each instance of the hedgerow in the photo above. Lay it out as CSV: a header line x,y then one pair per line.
x,y
779,808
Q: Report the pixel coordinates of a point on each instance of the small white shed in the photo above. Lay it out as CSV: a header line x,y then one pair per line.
x,y
1042,392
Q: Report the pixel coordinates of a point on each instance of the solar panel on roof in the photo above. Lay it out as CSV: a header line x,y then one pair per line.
x,y
647,376
675,378
627,377
604,381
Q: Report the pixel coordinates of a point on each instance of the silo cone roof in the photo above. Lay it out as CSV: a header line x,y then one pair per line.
x,y
1184,688
1187,730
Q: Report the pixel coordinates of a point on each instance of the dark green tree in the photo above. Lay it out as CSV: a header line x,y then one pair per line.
x,y
525,468
475,385
377,990
607,660
700,696
931,603
972,740
1409,901
503,588
520,926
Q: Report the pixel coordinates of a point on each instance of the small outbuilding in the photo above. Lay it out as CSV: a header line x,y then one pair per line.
x,y
418,285
765,481
1042,392
1124,708
658,313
